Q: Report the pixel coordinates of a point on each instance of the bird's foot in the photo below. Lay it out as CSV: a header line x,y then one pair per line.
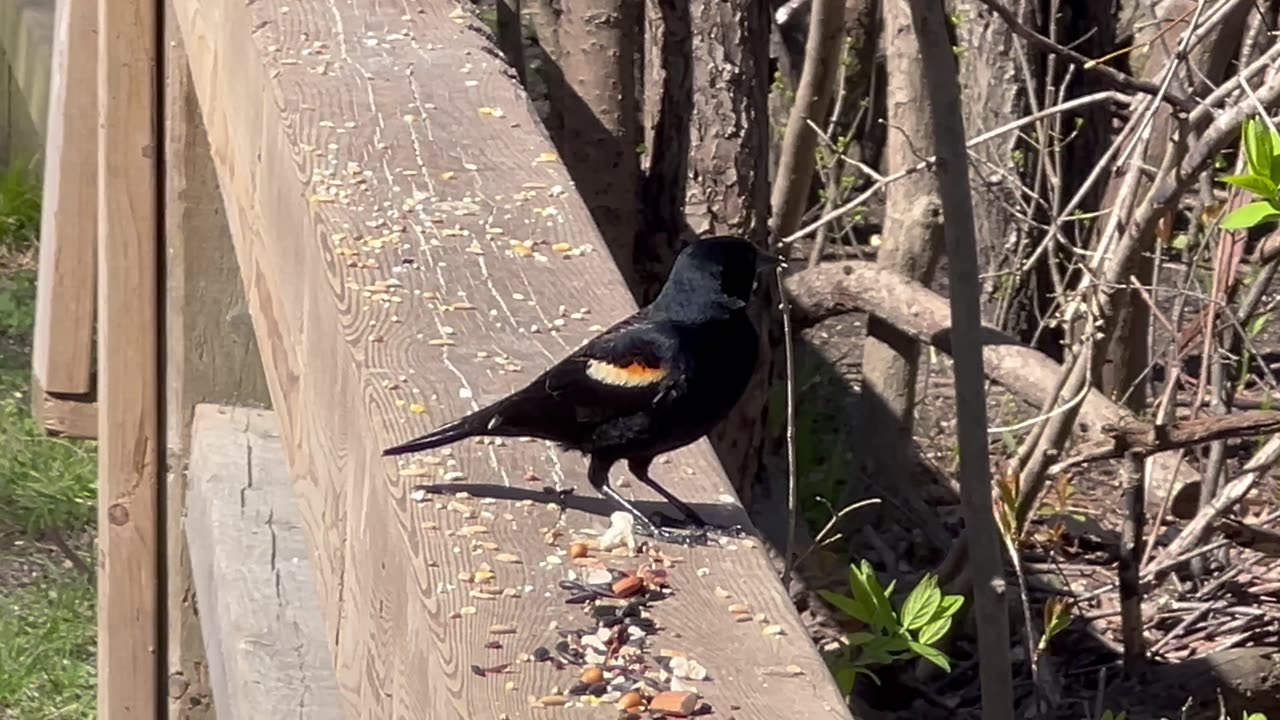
x,y
697,524
689,537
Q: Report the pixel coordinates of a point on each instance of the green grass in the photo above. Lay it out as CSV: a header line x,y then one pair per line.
x,y
19,210
47,485
47,649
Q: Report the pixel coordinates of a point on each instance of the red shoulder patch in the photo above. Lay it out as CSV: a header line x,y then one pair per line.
x,y
633,375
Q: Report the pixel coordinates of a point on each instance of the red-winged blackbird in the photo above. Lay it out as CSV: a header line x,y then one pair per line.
x,y
654,382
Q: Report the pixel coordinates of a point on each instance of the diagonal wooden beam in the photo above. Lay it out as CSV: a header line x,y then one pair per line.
x,y
62,348
378,162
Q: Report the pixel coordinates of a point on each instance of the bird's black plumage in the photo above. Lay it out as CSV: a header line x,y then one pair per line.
x,y
656,381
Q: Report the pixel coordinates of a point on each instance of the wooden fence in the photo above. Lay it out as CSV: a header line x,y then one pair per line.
x,y
26,42
342,210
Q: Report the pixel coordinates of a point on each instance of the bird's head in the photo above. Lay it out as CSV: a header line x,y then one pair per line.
x,y
723,262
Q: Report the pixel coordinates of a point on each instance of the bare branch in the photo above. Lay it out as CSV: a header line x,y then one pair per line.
x,y
833,288
798,156
1130,555
881,183
1144,439
1113,76
1205,520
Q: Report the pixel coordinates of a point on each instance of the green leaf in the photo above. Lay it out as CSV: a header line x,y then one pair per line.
x,y
846,675
1253,214
920,605
863,595
884,647
875,652
1255,716
1057,618
853,673
934,631
858,639
933,655
852,607
951,605
1258,324
1261,186
1275,161
866,587
1257,148
885,617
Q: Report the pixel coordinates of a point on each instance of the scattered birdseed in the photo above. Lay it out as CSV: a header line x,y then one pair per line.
x,y
502,629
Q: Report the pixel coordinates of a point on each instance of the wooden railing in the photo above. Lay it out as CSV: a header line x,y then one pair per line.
x,y
350,205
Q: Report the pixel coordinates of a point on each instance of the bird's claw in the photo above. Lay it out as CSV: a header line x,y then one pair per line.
x,y
697,524
686,537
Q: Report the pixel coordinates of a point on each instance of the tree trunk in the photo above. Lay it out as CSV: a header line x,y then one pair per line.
x,y
994,83
798,155
595,112
707,154
912,245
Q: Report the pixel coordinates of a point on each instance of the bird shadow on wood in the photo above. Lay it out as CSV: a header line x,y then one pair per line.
x,y
586,501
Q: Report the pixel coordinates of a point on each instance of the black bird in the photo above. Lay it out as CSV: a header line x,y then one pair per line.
x,y
652,383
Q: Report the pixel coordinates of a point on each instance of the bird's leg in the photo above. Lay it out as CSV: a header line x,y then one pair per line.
x,y
598,476
639,467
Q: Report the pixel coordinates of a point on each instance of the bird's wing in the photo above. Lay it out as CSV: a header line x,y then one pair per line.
x,y
628,367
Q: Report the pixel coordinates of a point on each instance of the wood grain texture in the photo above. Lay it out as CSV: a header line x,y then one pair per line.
x,y
129,459
211,354
376,164
268,652
62,349
64,417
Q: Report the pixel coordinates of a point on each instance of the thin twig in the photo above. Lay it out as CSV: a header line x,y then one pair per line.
x,y
1130,553
793,501
1113,76
1082,101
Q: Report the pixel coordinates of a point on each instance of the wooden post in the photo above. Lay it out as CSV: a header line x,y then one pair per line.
x,y
129,458
268,652
62,347
211,354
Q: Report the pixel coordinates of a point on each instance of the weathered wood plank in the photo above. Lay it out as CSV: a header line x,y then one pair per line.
x,y
62,350
267,648
211,354
376,164
64,417
129,446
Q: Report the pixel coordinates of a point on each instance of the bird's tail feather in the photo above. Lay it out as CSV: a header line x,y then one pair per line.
x,y
474,424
